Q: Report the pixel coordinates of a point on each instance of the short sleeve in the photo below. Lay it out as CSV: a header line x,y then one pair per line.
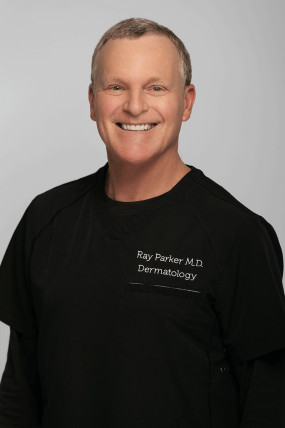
x,y
250,301
21,401
16,303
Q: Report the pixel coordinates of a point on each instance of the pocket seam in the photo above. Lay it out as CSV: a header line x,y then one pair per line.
x,y
147,287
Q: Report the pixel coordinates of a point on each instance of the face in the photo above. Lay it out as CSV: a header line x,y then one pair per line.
x,y
139,100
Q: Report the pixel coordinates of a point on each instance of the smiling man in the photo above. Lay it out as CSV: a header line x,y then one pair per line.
x,y
139,96
143,295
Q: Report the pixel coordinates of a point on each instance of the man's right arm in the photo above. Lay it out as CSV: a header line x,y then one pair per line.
x,y
20,390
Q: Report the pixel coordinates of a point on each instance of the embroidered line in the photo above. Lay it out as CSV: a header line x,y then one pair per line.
x,y
167,286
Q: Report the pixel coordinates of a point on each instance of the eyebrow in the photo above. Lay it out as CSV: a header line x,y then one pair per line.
x,y
149,81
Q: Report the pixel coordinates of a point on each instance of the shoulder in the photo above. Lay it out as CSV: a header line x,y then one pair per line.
x,y
46,205
216,201
226,219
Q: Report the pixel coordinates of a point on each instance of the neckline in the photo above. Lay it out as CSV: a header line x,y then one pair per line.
x,y
133,207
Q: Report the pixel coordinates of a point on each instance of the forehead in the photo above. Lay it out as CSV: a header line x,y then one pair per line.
x,y
144,56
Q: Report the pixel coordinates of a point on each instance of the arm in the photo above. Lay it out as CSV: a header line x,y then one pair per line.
x,y
250,305
263,391
20,392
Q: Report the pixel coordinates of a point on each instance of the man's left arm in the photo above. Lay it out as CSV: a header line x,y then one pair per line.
x,y
262,391
250,306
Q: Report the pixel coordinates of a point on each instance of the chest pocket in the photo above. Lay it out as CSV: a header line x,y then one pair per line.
x,y
160,322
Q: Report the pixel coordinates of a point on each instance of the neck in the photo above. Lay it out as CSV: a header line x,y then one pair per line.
x,y
127,182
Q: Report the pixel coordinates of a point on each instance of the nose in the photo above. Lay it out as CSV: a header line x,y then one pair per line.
x,y
135,104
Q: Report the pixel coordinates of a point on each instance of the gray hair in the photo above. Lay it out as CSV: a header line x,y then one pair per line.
x,y
133,28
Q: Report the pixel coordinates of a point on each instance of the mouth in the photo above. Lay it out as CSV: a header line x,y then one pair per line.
x,y
140,127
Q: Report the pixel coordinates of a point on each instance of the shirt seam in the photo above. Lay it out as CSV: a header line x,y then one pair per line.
x,y
50,221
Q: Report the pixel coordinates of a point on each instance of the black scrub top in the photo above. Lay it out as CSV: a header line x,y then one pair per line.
x,y
141,314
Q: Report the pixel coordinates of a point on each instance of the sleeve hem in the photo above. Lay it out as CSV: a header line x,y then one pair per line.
x,y
12,322
243,355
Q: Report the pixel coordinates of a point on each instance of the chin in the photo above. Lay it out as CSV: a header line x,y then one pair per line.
x,y
133,157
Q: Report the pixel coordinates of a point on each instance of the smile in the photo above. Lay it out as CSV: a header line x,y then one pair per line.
x,y
141,127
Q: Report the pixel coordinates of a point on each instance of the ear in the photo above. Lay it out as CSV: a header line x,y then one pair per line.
x,y
91,98
189,98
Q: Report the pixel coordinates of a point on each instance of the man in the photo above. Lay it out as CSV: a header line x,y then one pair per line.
x,y
144,294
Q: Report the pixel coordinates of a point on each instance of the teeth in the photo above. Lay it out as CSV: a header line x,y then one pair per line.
x,y
144,127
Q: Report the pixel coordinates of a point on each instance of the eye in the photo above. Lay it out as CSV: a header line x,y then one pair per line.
x,y
157,90
114,90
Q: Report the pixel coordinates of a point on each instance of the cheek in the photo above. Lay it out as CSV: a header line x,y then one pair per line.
x,y
173,117
171,110
100,110
103,108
